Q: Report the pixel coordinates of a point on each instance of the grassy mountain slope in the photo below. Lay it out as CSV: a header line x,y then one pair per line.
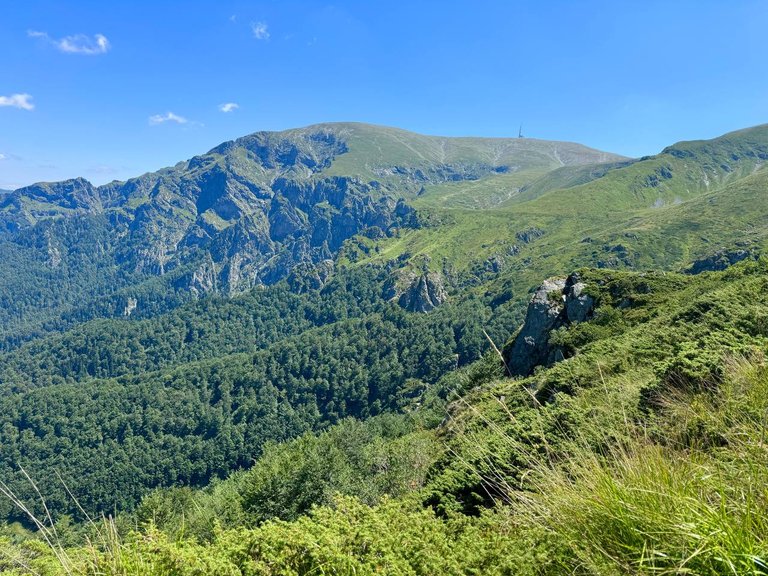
x,y
621,217
372,149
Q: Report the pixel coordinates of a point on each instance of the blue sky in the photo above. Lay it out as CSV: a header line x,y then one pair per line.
x,y
110,90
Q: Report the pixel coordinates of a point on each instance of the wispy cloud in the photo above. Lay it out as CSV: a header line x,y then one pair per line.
x,y
228,107
8,156
167,117
260,30
103,170
75,44
23,101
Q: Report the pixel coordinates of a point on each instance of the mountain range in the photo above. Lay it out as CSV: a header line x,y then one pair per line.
x,y
252,211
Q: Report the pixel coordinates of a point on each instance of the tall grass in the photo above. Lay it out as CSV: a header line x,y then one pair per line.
x,y
102,551
692,498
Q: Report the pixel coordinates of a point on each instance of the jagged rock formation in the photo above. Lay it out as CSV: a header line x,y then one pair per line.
x,y
426,293
311,277
529,235
556,303
416,292
130,306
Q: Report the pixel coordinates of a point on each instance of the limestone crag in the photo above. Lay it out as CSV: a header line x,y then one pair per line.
x,y
426,293
416,292
557,302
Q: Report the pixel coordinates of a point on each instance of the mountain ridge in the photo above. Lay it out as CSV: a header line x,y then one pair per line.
x,y
343,127
251,210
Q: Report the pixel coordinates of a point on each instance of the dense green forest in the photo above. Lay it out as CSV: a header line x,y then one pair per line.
x,y
174,399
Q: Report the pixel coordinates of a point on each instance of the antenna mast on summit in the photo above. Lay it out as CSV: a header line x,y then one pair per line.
x,y
520,132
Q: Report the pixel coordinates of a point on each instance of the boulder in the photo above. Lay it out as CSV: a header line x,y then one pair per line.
x,y
530,346
720,260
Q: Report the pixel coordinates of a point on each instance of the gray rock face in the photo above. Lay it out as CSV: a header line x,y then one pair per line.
x,y
130,306
311,277
556,303
425,293
203,279
578,305
545,313
529,235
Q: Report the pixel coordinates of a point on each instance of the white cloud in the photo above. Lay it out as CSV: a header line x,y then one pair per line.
x,y
23,101
228,107
3,156
75,44
167,117
260,30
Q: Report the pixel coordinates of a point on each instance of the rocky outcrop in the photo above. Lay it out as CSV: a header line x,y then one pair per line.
x,y
578,304
720,260
203,279
529,234
556,303
311,277
426,293
416,292
130,306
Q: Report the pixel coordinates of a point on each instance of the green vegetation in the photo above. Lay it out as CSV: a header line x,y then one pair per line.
x,y
657,213
189,396
221,390
643,452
